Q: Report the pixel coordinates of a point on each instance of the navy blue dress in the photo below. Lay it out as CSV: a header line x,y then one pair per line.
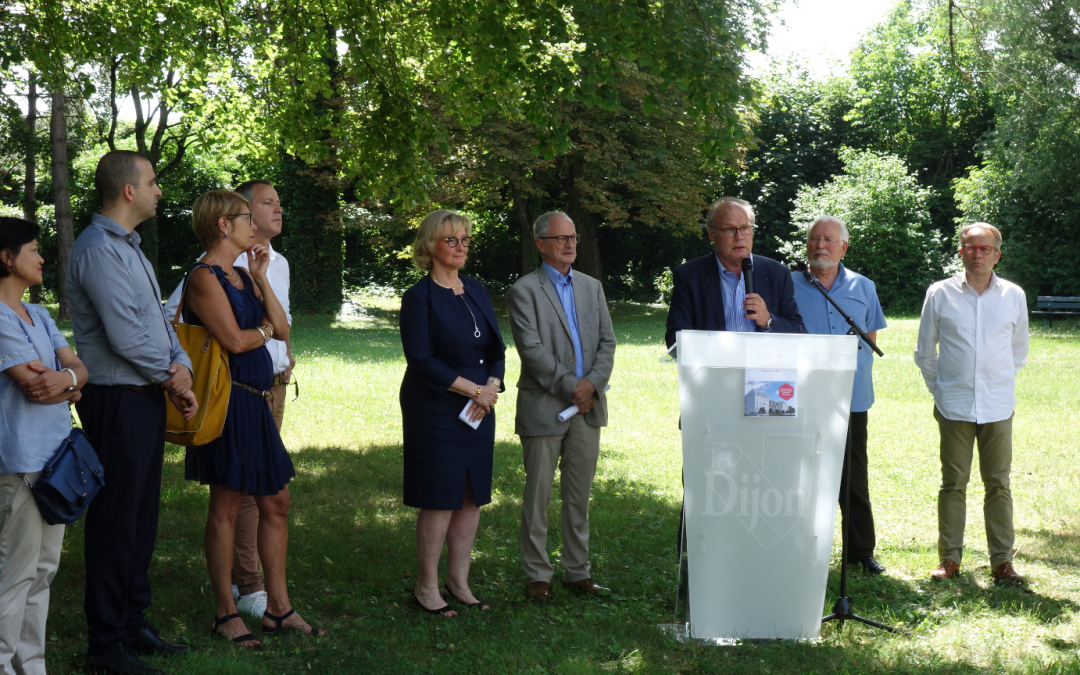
x,y
249,456
438,335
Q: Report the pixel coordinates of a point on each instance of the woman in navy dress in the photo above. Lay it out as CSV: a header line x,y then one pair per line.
x,y
243,313
455,357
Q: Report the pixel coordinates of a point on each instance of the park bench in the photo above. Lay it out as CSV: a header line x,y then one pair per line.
x,y
1050,306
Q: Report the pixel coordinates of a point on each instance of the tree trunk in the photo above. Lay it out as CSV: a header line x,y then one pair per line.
x,y
65,236
524,227
30,173
588,258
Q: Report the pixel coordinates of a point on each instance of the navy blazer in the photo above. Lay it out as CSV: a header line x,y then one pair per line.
x,y
697,300
435,340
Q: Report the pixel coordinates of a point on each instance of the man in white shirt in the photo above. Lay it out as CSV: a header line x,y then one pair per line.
x,y
266,216
979,323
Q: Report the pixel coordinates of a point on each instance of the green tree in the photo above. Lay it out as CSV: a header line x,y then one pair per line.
x,y
911,101
799,129
887,214
1030,181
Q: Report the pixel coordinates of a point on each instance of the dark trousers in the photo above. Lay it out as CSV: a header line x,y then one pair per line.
x,y
860,517
127,429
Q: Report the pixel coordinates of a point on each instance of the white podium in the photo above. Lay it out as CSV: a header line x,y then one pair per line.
x,y
761,491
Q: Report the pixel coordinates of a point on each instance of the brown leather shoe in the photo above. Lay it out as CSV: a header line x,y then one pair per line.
x,y
588,587
537,590
1005,574
946,570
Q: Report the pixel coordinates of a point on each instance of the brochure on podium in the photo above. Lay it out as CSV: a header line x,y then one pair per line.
x,y
770,392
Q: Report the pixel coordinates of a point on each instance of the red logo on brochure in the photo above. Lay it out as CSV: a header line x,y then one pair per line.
x,y
786,391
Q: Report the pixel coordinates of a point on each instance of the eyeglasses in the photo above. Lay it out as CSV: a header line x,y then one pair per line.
x,y
985,250
822,240
452,242
564,238
729,232
238,215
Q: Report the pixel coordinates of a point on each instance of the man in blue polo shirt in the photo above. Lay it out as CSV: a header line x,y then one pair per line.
x,y
826,244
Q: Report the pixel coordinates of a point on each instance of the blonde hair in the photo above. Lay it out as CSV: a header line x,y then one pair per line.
x,y
211,206
427,235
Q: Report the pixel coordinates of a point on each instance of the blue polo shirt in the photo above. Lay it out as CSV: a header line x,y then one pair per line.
x,y
857,296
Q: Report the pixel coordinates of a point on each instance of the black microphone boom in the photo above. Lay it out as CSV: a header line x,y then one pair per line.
x,y
855,330
748,278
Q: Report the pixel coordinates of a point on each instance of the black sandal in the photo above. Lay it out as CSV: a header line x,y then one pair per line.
x,y
439,611
479,604
315,632
218,623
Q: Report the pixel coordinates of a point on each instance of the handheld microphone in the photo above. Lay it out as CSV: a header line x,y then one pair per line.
x,y
748,277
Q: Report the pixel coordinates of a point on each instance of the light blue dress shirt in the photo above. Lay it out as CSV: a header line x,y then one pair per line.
x,y
564,286
857,296
120,328
29,432
734,298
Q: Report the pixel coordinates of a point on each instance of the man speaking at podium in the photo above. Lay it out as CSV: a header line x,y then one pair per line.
x,y
826,245
710,292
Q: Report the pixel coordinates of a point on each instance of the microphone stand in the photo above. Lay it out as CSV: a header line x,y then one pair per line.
x,y
842,609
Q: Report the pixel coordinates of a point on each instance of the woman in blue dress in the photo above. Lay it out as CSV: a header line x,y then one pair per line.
x,y
243,313
40,376
455,357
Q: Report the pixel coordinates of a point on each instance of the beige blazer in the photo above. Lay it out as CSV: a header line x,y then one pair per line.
x,y
542,337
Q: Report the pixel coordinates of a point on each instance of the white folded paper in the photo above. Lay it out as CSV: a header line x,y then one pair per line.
x,y
464,416
573,410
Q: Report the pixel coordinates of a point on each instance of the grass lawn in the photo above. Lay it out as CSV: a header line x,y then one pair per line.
x,y
352,552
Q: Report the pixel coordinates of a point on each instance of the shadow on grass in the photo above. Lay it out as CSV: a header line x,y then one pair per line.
x,y
1057,549
352,564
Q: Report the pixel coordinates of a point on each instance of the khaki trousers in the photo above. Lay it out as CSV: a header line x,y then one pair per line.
x,y
995,462
575,453
29,555
246,574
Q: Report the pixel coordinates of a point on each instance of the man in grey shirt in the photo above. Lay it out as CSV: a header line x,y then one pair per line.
x,y
133,357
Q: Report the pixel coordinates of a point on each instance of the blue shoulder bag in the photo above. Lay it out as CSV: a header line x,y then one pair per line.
x,y
70,479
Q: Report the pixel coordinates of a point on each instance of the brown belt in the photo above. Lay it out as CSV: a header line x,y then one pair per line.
x,y
148,389
251,390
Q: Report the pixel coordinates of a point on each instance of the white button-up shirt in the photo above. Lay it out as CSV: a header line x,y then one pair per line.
x,y
277,273
983,342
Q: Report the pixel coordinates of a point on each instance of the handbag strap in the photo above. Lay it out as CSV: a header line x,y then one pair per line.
x,y
183,292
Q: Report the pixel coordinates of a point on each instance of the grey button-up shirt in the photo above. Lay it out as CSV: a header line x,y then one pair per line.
x,y
120,328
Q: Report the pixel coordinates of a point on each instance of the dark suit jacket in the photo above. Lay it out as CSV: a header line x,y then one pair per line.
x,y
697,300
436,342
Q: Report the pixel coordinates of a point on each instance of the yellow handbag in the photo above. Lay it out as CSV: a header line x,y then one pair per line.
x,y
211,382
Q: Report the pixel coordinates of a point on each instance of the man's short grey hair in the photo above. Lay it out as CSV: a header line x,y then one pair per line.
x,y
981,226
543,224
247,189
729,200
844,237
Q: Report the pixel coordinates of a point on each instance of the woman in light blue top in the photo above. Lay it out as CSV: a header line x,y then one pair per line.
x,y
41,375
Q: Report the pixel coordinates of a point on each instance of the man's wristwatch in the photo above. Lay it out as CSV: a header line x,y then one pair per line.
x,y
768,324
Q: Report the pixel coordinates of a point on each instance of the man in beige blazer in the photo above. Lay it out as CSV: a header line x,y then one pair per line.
x,y
563,334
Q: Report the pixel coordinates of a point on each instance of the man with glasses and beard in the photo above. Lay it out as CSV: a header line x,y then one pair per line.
x,y
826,245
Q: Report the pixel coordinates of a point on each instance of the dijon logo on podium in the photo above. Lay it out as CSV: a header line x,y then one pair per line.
x,y
767,499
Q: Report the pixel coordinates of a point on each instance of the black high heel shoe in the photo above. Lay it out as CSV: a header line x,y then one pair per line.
x,y
479,604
